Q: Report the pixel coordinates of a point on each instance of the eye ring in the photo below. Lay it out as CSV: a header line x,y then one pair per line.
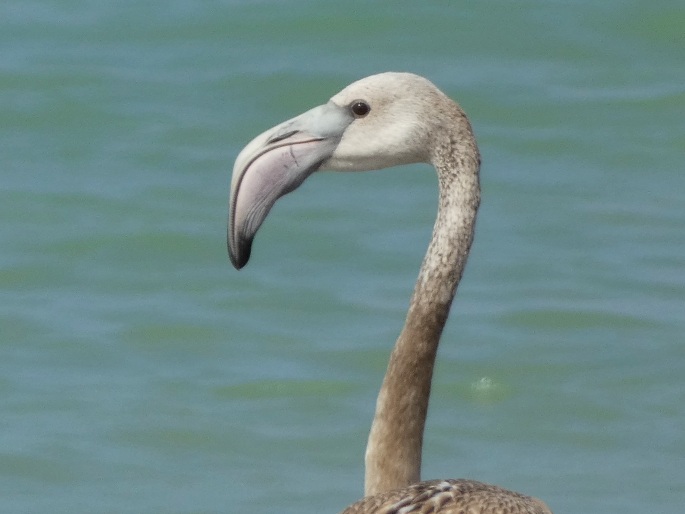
x,y
360,108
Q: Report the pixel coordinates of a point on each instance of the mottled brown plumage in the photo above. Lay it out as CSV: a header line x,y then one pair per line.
x,y
449,497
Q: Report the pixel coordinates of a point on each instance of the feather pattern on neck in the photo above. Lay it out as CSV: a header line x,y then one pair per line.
x,y
393,454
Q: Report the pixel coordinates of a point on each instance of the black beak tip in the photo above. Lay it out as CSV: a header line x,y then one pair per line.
x,y
241,256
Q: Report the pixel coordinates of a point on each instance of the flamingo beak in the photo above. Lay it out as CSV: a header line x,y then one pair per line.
x,y
275,163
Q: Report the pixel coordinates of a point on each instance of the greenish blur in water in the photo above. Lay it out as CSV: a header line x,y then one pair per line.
x,y
139,372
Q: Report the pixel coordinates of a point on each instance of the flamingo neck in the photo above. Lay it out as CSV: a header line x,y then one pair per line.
x,y
393,453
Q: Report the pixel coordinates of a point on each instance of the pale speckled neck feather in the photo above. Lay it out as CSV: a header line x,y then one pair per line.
x,y
393,454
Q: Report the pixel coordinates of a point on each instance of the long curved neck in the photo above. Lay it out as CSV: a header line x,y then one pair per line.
x,y
393,452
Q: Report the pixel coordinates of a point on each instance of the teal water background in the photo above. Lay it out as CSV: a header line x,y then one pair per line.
x,y
140,373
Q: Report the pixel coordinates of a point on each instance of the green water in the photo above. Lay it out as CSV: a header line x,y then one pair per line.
x,y
139,372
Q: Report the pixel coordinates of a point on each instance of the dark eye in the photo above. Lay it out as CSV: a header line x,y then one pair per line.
x,y
360,108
